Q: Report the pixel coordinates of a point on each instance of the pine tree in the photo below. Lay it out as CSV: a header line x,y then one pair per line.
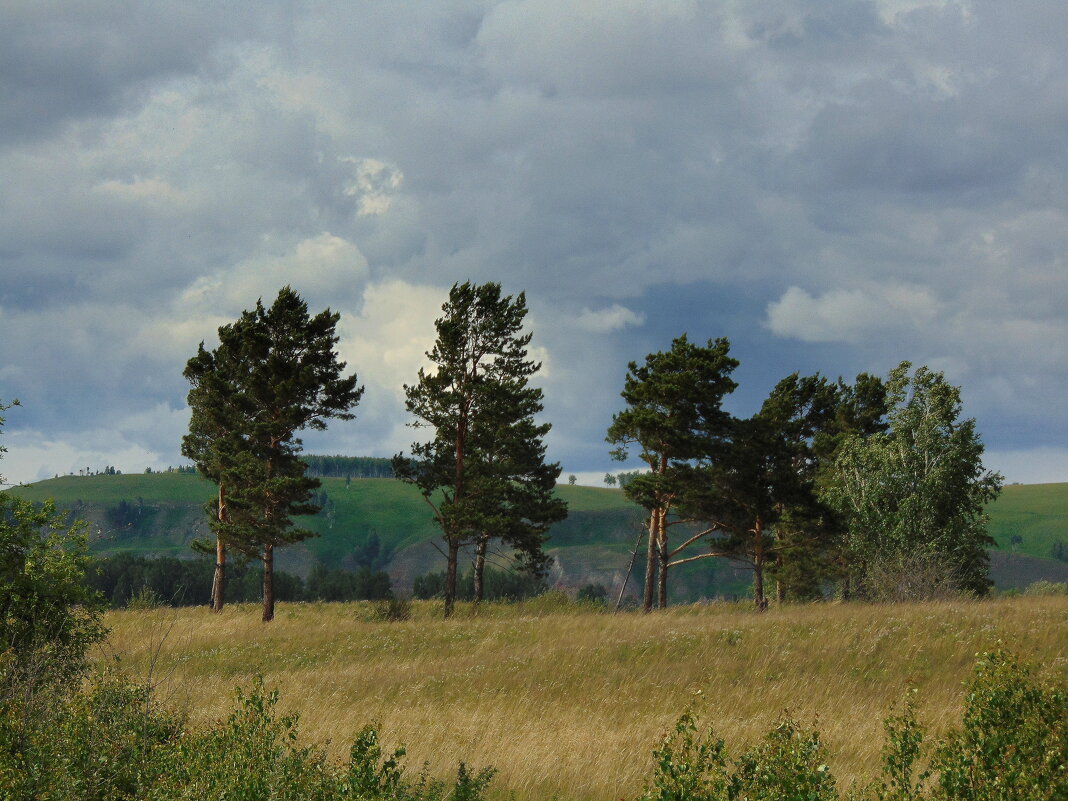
x,y
674,415
483,472
275,373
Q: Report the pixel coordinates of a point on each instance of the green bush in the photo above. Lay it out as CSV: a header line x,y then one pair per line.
x,y
252,755
392,610
1012,745
1013,741
787,766
902,779
101,743
688,766
48,617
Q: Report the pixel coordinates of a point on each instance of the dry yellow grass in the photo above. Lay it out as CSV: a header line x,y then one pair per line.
x,y
569,703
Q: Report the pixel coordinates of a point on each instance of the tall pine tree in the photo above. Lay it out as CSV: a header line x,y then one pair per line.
x,y
483,471
275,373
674,416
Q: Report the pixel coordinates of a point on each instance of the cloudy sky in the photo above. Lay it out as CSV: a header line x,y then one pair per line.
x,y
835,186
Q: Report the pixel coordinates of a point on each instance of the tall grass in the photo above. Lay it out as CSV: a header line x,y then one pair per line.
x,y
566,701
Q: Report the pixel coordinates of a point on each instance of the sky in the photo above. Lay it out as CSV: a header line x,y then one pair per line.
x,y
834,186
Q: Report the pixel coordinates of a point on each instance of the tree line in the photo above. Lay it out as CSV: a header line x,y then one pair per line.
x,y
348,467
859,483
863,483
126,579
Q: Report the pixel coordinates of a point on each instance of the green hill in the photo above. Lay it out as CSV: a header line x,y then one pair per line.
x,y
161,513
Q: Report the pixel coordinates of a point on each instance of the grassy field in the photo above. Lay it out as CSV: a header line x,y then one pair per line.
x,y
568,702
1037,513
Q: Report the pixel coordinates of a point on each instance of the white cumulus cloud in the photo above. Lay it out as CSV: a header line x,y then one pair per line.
x,y
850,315
607,320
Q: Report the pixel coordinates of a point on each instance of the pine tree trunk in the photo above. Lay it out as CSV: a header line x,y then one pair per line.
x,y
662,552
268,583
218,584
758,587
479,566
450,577
758,566
651,563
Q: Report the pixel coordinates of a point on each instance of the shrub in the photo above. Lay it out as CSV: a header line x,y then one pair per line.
x,y
688,766
918,576
1012,746
1013,741
787,766
593,593
144,599
103,742
48,617
392,610
901,754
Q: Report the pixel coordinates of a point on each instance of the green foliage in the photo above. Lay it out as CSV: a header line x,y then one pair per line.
x,y
252,755
370,775
902,778
337,466
145,598
1013,741
1012,745
274,373
593,593
48,617
108,741
689,765
674,417
393,610
255,755
788,765
920,486
324,584
1047,588
130,580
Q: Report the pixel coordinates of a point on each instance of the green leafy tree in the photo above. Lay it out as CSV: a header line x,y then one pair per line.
x,y
674,417
48,616
919,488
483,472
274,374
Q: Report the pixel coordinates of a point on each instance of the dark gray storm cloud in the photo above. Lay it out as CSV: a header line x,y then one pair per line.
x,y
834,186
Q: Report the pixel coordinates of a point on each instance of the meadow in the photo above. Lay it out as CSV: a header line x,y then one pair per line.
x,y
568,701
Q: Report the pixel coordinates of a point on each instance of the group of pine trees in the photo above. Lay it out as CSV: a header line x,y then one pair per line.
x,y
865,483
860,483
275,372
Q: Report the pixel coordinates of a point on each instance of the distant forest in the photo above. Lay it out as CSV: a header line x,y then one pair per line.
x,y
319,466
347,466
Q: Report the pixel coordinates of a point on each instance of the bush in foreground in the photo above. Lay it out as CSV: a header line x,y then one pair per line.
x,y
1012,745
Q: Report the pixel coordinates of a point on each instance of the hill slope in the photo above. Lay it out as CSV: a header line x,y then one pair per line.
x,y
161,513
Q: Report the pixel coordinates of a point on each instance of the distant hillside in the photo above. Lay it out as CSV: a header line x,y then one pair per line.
x,y
161,513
